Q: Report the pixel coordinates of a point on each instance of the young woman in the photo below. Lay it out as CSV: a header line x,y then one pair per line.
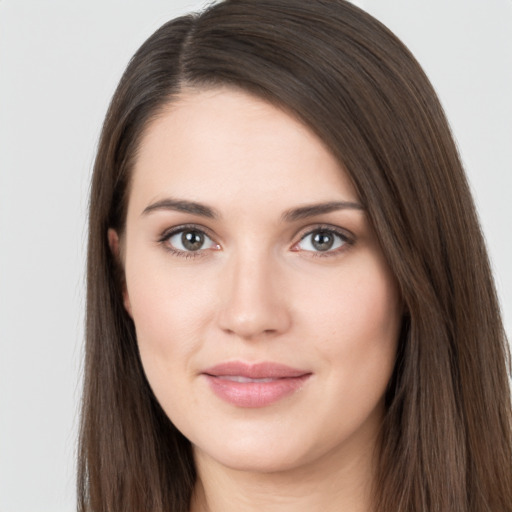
x,y
290,305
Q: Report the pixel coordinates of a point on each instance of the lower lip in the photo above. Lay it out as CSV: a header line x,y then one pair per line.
x,y
255,394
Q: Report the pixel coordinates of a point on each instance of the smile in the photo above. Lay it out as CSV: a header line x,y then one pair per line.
x,y
251,386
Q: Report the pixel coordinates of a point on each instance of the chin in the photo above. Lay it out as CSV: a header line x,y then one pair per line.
x,y
258,454
254,461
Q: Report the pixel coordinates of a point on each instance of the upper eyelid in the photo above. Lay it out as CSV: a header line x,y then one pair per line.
x,y
343,232
166,233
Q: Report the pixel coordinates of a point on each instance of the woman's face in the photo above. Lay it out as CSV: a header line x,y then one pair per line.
x,y
266,316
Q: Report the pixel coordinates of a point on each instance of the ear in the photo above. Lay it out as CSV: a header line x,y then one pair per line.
x,y
115,249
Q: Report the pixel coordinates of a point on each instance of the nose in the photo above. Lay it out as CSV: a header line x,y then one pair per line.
x,y
254,301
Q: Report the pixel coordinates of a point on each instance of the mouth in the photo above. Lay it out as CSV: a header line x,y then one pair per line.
x,y
240,378
254,385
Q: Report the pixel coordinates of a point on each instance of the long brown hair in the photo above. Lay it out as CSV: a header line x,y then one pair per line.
x,y
446,441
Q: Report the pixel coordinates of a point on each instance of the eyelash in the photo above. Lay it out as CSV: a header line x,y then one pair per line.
x,y
346,238
168,234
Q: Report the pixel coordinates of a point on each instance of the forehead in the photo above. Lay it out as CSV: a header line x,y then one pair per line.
x,y
223,144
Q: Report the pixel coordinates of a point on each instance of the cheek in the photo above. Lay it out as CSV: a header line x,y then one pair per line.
x,y
356,328
356,320
359,301
168,329
169,308
372,309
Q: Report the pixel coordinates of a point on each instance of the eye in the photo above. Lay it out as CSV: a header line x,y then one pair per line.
x,y
322,240
186,240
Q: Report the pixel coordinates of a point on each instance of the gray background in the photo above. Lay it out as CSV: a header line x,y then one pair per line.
x,y
59,64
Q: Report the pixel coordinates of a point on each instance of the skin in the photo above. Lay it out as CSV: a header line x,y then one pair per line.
x,y
259,290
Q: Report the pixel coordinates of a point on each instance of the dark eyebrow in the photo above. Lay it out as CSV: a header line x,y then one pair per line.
x,y
304,212
180,205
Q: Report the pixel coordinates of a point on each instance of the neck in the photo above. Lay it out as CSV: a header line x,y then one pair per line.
x,y
338,481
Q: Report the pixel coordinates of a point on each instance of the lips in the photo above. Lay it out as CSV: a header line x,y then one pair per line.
x,y
254,385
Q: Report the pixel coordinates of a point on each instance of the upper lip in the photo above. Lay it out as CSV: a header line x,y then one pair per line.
x,y
265,370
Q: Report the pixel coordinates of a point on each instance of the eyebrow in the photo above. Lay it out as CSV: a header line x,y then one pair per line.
x,y
181,205
292,215
307,211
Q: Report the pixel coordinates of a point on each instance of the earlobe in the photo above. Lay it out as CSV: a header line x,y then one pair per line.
x,y
114,244
126,300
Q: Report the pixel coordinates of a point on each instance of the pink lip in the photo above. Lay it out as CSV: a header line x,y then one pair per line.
x,y
274,381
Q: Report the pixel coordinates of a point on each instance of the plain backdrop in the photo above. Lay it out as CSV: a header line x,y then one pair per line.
x,y
59,64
